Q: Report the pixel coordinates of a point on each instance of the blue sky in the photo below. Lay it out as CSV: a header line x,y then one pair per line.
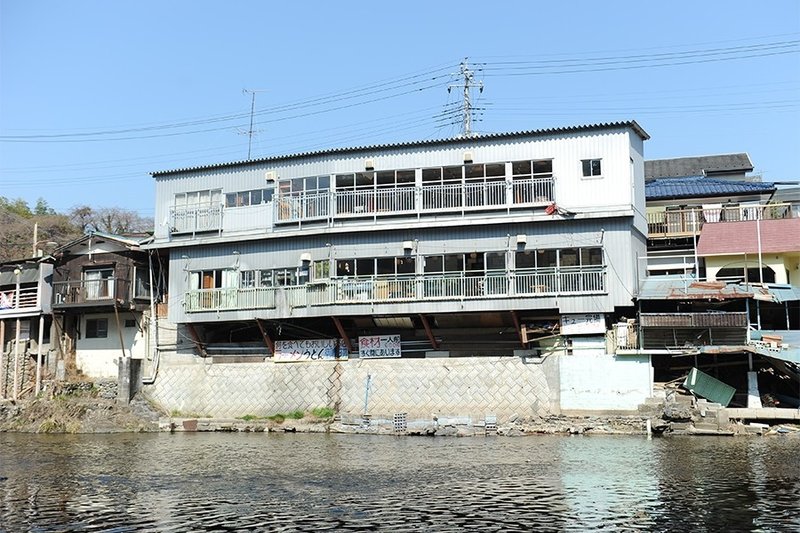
x,y
94,95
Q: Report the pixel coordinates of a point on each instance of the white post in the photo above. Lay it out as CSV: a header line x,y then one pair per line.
x,y
760,267
39,356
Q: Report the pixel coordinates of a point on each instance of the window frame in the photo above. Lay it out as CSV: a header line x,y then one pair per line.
x,y
589,165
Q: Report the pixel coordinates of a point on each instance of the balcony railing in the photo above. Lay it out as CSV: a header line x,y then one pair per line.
x,y
404,200
10,302
689,221
100,291
196,218
412,288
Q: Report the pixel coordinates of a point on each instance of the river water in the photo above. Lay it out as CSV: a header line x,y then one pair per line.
x,y
313,482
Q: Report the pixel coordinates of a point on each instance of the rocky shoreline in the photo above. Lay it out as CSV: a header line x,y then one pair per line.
x,y
93,408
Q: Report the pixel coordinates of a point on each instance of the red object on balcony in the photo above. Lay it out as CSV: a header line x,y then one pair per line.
x,y
550,209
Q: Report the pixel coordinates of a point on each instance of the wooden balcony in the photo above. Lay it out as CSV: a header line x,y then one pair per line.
x,y
688,222
413,288
13,302
86,293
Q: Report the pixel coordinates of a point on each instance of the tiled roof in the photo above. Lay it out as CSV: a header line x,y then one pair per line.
x,y
430,142
700,187
697,165
738,238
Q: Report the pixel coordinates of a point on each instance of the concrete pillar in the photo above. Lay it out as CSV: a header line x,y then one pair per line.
x,y
753,397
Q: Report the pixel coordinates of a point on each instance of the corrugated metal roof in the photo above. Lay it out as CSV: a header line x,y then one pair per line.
x,y
429,142
701,187
681,288
697,165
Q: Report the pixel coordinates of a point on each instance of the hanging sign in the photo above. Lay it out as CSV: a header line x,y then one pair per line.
x,y
379,346
308,350
585,324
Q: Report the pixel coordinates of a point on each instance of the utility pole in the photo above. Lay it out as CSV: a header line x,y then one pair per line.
x,y
469,83
250,131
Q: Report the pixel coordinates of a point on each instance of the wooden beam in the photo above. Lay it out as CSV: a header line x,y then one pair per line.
x,y
343,334
518,327
429,332
2,354
196,339
267,339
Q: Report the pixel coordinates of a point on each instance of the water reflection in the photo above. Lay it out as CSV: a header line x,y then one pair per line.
x,y
276,482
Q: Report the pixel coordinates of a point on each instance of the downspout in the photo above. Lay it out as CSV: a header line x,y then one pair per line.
x,y
153,336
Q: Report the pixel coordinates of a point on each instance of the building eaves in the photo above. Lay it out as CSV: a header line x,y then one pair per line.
x,y
701,187
420,143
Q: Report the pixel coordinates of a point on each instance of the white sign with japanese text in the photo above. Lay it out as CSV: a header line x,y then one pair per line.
x,y
379,346
308,350
584,324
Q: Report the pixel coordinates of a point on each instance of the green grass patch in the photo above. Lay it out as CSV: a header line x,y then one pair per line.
x,y
278,418
323,412
296,415
249,418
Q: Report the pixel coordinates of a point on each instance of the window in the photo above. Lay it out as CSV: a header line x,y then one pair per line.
x,y
321,270
96,328
130,323
381,266
99,283
206,197
252,197
141,287
532,181
213,279
591,168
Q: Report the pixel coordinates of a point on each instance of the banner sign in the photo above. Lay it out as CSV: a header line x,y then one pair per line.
x,y
309,350
585,324
379,346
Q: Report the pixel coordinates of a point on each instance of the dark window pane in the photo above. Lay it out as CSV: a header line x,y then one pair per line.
x,y
365,179
345,267
405,265
474,171
365,267
323,183
434,263
496,169
526,259
587,168
452,173
591,256
432,174
267,195
344,181
542,167
495,261
454,263
255,197
474,261
386,177
405,176
596,167
569,257
545,258
385,265
519,168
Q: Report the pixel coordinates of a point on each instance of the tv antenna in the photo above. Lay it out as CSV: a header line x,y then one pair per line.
x,y
250,130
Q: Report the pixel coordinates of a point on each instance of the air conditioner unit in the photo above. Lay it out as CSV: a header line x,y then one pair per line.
x,y
270,176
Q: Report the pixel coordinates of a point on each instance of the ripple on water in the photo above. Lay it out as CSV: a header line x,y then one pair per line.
x,y
233,482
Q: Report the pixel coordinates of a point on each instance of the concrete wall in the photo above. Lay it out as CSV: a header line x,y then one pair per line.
x,y
600,382
99,357
468,387
779,264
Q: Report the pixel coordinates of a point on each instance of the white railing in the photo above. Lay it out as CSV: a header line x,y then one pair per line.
x,y
689,221
27,298
303,207
410,288
196,217
400,200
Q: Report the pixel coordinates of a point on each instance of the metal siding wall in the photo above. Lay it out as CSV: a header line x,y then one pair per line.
x,y
566,150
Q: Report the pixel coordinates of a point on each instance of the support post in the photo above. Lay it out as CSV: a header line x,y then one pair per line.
x,y
196,339
2,359
267,339
119,330
429,332
15,391
343,334
39,356
518,327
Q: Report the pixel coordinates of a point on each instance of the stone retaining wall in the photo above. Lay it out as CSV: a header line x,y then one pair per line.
x,y
422,388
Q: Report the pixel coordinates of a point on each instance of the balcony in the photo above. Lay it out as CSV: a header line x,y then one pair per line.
x,y
196,218
90,292
405,200
414,288
688,222
13,302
